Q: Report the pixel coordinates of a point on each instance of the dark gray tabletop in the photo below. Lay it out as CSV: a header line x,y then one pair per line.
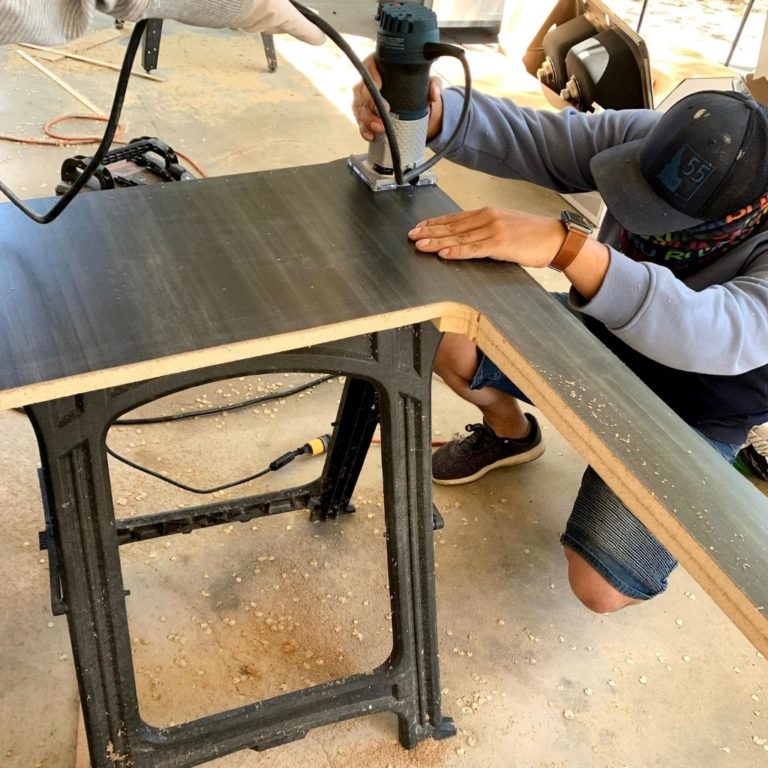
x,y
139,282
145,273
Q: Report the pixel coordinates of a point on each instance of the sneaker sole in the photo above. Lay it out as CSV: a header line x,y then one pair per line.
x,y
511,461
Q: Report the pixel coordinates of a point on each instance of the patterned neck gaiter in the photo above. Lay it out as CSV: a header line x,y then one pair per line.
x,y
689,250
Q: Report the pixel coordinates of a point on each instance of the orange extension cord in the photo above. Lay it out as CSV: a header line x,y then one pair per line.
x,y
58,140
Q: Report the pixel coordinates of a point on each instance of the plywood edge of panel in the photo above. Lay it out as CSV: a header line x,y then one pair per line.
x,y
618,474
445,315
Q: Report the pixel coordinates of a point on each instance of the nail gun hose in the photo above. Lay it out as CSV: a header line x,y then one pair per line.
x,y
341,43
106,142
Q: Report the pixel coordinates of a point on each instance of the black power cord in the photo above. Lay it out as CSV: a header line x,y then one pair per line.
x,y
109,135
435,51
314,447
431,51
223,408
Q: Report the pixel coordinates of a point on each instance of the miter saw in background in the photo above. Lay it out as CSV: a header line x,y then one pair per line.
x,y
587,57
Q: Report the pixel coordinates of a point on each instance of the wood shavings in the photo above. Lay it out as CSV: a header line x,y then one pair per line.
x,y
474,701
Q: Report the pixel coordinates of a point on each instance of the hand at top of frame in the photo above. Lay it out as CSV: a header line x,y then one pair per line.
x,y
276,16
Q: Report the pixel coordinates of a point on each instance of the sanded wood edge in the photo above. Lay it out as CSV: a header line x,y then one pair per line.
x,y
82,754
464,320
648,508
453,315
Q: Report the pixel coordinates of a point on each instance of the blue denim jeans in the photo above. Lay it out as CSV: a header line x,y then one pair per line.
x,y
600,528
614,542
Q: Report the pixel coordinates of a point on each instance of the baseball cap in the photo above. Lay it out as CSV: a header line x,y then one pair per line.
x,y
705,158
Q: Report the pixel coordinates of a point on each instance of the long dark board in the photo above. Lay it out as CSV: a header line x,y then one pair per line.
x,y
149,272
145,281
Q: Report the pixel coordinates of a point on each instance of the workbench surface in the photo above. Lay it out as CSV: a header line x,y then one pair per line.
x,y
147,281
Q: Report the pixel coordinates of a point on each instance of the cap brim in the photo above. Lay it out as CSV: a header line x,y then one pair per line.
x,y
628,196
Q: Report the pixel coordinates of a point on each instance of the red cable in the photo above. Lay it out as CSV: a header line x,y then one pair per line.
x,y
77,139
59,140
434,443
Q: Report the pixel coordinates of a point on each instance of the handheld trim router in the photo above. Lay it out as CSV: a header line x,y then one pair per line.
x,y
407,42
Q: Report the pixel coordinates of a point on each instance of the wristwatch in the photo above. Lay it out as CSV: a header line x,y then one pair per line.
x,y
577,230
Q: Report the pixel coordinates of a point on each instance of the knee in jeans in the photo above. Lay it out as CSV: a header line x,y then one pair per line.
x,y
591,588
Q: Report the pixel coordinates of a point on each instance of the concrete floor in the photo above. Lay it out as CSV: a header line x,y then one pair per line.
x,y
229,615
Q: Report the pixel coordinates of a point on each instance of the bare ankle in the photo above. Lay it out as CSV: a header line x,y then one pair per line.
x,y
516,428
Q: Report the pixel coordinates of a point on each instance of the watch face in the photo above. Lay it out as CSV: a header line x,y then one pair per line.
x,y
574,220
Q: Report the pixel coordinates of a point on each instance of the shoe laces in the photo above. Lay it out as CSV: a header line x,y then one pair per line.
x,y
479,436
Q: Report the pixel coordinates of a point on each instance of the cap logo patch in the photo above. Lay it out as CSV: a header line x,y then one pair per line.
x,y
684,174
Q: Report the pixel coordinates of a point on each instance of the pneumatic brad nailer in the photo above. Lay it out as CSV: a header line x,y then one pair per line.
x,y
406,44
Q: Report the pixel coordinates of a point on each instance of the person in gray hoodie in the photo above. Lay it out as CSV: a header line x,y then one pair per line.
x,y
54,21
675,284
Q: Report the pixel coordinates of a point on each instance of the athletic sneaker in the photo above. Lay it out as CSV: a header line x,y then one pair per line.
x,y
755,453
470,457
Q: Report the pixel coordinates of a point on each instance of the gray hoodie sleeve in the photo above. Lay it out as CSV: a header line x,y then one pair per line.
x,y
47,22
551,149
718,328
713,323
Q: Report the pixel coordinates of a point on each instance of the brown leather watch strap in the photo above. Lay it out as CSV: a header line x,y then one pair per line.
x,y
577,230
569,250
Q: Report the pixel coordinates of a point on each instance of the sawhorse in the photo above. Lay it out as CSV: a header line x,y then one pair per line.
x,y
388,383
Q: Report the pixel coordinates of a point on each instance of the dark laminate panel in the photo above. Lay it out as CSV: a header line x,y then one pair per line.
x,y
144,273
141,274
